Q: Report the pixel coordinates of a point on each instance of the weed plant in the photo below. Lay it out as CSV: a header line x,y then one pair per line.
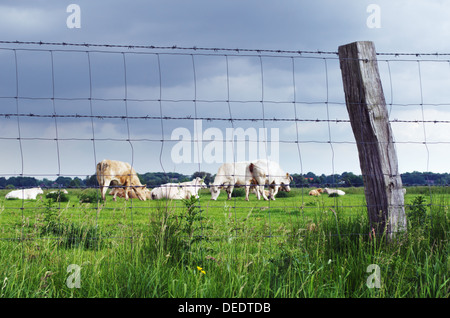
x,y
299,247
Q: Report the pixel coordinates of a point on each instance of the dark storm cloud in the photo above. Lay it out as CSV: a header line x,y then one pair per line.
x,y
131,82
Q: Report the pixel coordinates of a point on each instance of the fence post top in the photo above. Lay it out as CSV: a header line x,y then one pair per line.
x,y
358,42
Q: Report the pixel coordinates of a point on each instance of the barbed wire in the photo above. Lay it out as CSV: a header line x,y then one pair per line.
x,y
231,118
209,119
173,47
213,49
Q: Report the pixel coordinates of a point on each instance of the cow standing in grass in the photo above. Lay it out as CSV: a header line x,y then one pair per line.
x,y
267,172
113,172
229,176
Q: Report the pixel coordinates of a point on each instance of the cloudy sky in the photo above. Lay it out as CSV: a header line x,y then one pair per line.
x,y
112,95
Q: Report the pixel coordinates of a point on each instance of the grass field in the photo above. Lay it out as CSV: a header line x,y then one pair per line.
x,y
295,246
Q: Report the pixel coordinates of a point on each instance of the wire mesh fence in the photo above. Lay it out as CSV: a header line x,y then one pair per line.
x,y
180,111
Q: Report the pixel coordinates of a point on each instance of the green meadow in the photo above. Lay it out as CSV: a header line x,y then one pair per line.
x,y
297,246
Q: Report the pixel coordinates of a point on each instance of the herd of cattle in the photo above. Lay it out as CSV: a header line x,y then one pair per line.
x,y
254,176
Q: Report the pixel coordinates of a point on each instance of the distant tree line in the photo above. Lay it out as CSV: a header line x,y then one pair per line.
x,y
154,179
151,179
348,179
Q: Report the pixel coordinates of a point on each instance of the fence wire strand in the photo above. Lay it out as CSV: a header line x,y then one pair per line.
x,y
161,100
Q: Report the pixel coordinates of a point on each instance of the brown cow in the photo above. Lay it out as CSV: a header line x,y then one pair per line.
x,y
316,192
120,173
120,192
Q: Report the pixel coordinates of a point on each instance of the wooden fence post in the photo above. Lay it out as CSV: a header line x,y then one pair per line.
x,y
368,114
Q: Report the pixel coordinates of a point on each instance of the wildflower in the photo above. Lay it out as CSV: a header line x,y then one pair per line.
x,y
201,270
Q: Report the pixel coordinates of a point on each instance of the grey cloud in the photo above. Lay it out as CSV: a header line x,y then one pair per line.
x,y
286,25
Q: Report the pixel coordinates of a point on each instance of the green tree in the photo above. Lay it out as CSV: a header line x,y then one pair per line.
x,y
351,180
2,182
63,181
76,183
91,181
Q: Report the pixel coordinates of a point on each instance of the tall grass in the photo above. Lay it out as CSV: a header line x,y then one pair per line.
x,y
322,251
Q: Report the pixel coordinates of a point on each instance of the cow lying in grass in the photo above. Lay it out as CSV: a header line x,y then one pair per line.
x,y
24,194
178,191
255,191
333,192
120,192
316,192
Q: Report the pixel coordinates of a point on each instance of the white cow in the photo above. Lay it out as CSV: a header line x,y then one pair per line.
x,y
191,188
178,191
119,173
170,191
270,173
230,175
25,194
333,191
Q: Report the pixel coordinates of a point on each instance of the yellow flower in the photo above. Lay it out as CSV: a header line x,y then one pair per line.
x,y
201,270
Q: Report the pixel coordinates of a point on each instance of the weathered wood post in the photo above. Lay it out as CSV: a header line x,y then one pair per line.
x,y
368,114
